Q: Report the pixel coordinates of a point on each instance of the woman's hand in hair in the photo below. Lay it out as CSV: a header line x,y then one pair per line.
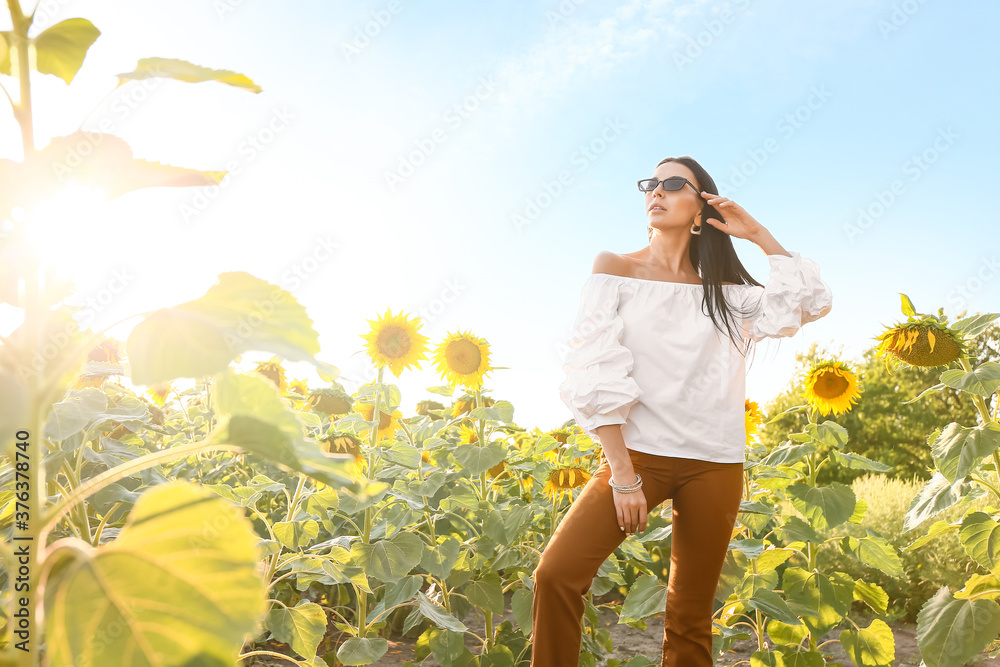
x,y
735,220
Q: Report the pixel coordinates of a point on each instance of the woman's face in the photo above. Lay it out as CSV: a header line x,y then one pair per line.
x,y
666,209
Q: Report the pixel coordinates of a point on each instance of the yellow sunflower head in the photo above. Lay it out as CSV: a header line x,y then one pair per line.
x,y
272,370
465,404
563,480
561,435
158,393
107,350
330,402
753,418
345,443
394,341
297,391
467,433
923,340
499,470
424,408
387,423
832,387
463,359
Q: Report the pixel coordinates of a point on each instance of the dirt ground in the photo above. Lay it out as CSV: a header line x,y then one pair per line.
x,y
629,642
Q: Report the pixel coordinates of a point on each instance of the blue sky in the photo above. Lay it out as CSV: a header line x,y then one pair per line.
x,y
395,145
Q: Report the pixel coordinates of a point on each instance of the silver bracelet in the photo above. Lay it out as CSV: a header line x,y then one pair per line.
x,y
627,488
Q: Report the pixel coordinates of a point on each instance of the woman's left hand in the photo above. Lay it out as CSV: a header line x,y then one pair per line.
x,y
737,222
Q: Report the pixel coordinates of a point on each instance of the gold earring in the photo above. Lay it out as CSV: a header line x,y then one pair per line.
x,y
696,229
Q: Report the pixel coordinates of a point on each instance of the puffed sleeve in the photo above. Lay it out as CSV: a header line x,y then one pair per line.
x,y
793,296
598,388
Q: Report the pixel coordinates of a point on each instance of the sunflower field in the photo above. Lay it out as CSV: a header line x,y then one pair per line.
x,y
252,519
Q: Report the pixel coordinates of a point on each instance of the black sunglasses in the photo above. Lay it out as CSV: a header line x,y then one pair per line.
x,y
670,184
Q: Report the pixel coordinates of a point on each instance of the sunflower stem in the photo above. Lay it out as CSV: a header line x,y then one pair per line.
x,y
984,414
489,630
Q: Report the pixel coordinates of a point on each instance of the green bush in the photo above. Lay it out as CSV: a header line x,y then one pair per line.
x,y
942,561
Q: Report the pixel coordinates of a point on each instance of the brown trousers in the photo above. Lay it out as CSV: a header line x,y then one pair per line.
x,y
706,499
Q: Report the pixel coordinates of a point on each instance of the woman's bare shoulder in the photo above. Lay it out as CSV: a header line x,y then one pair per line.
x,y
611,262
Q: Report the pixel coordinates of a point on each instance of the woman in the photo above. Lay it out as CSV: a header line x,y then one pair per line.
x,y
661,384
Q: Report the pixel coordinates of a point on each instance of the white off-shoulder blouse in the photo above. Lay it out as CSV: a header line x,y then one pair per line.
x,y
644,354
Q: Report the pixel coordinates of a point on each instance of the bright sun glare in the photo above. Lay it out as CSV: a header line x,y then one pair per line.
x,y
65,229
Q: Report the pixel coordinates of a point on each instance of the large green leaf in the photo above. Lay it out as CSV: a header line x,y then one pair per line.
x,y
439,560
951,632
302,627
937,528
91,160
646,597
958,450
787,454
936,495
75,412
387,560
179,582
785,634
872,595
399,593
876,552
973,325
61,48
486,592
752,583
438,615
980,536
201,337
857,462
522,603
182,70
873,646
829,433
253,415
362,651
824,506
84,409
447,646
980,586
475,459
794,529
828,598
296,534
983,380
771,604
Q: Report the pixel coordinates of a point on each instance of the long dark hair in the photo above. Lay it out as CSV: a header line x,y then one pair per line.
x,y
714,257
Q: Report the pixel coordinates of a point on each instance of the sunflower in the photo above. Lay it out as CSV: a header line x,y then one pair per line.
x,y
831,387
561,435
345,443
107,350
563,480
463,359
272,370
753,418
923,340
465,404
297,391
158,393
424,408
393,341
387,423
499,470
467,433
330,402
921,343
